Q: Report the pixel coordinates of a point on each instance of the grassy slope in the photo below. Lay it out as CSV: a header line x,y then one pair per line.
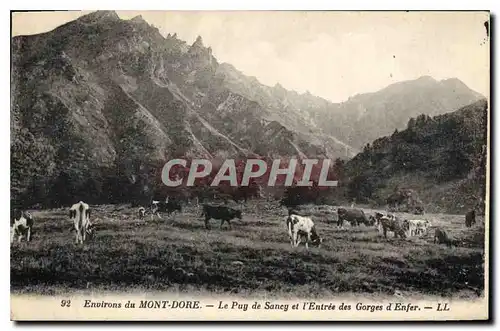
x,y
453,195
180,255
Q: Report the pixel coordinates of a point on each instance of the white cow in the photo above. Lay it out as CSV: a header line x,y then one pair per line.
x,y
298,226
23,223
155,209
418,227
79,213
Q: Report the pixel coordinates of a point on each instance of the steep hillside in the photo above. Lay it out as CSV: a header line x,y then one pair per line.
x,y
99,104
443,158
100,96
295,111
348,126
363,117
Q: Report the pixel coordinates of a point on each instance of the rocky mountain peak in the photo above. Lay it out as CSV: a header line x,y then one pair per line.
x,y
138,19
278,87
100,15
198,42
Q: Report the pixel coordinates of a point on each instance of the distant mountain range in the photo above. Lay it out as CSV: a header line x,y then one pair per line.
x,y
443,158
101,93
366,117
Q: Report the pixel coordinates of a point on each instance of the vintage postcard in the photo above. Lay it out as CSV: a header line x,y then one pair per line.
x,y
250,165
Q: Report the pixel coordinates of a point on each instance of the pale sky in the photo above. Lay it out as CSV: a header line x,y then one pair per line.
x,y
331,54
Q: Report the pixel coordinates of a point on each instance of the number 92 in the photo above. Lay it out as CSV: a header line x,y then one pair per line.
x,y
65,303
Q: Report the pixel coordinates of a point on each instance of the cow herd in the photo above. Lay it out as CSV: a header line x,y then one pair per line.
x,y
79,214
297,224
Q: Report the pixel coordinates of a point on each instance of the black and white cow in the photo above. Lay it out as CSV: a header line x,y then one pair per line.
x,y
79,213
301,226
392,223
21,225
168,206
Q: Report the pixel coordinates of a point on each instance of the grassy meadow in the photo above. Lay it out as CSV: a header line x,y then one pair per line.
x,y
179,254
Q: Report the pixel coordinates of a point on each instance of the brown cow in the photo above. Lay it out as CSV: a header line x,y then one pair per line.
x,y
223,213
441,237
470,218
354,216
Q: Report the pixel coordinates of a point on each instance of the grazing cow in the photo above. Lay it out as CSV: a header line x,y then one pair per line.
x,y
470,218
353,216
79,213
441,237
167,206
299,226
223,213
423,227
378,220
142,212
392,223
418,227
22,225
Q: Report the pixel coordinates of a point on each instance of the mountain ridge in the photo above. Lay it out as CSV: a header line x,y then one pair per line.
x,y
101,95
442,158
